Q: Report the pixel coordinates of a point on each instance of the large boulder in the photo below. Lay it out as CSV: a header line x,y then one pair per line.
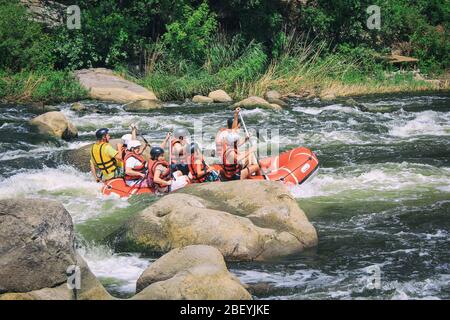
x,y
220,96
193,273
255,102
104,85
245,220
55,124
36,249
202,99
143,105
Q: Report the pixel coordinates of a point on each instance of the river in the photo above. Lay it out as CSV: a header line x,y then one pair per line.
x,y
380,201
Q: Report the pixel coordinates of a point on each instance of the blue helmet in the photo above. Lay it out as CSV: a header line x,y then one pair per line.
x,y
100,133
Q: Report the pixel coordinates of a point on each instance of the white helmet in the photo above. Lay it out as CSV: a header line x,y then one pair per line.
x,y
126,138
133,144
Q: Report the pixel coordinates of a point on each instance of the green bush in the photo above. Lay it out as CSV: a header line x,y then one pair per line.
x,y
23,45
191,36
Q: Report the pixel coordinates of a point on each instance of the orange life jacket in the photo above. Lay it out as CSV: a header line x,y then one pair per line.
x,y
177,158
195,173
230,169
152,164
141,168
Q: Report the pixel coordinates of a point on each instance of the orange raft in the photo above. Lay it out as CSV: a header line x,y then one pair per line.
x,y
290,167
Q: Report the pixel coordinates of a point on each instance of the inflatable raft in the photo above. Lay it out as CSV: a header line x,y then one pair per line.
x,y
291,167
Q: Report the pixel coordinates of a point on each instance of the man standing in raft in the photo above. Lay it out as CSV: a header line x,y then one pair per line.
x,y
104,157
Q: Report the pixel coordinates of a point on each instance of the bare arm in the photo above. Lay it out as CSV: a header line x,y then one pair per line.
x,y
236,118
157,179
163,144
94,172
131,172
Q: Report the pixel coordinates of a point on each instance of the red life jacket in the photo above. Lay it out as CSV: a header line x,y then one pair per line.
x,y
230,169
219,142
178,158
195,173
140,168
152,164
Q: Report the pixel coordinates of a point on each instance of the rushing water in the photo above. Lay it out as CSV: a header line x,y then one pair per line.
x,y
380,201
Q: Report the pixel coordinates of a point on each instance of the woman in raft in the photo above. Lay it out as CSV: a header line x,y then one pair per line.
x,y
152,174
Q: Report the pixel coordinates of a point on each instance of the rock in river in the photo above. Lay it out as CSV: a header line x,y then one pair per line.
x,y
195,272
56,124
36,249
244,220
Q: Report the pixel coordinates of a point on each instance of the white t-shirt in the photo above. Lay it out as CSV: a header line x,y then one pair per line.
x,y
132,162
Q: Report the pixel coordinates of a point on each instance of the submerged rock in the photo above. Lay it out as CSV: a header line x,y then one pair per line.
x,y
220,96
143,105
56,124
78,107
194,272
36,249
104,85
202,99
245,220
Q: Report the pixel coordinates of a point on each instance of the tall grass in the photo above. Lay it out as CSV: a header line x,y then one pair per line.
x,y
43,86
243,70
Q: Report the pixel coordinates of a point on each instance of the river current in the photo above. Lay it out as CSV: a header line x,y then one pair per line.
x,y
380,200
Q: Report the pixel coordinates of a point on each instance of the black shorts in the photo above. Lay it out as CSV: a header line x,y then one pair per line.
x,y
184,168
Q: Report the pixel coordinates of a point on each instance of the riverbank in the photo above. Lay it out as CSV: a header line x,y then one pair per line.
x,y
51,87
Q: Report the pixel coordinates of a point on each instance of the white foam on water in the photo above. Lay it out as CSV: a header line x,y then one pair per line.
x,y
125,269
375,179
80,195
425,123
334,107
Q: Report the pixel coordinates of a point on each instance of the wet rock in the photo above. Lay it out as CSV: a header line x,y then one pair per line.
x,y
56,124
143,105
202,99
244,220
36,244
255,102
78,107
220,96
278,102
104,85
194,272
36,249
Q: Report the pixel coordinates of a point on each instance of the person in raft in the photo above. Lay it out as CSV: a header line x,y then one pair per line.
x,y
104,158
237,165
122,146
139,173
179,159
233,125
199,171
